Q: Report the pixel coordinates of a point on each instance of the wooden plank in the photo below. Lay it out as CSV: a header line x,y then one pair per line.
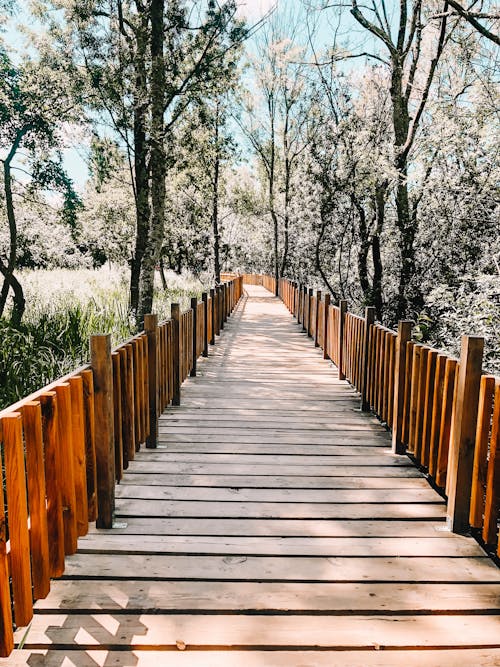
x,y
159,596
354,495
485,657
281,546
220,630
474,569
282,527
272,449
397,470
164,508
384,458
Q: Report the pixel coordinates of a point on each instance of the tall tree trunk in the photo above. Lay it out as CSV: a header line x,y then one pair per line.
x,y
7,270
157,159
162,274
272,203
364,247
380,199
409,295
140,165
215,200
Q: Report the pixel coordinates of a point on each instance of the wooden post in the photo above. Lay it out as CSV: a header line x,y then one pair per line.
x,y
175,313
194,308
204,298
100,354
461,457
325,326
151,329
365,388
342,312
214,313
316,331
403,337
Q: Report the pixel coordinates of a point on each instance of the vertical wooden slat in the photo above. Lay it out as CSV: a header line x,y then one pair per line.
x,y
100,351
325,325
446,418
137,394
55,527
317,322
429,403
213,312
175,314
437,410
117,415
66,461
35,473
342,313
194,343
492,500
400,370
130,397
145,384
421,397
386,377
126,423
79,467
15,484
152,342
6,627
204,298
464,433
415,376
405,428
90,460
480,469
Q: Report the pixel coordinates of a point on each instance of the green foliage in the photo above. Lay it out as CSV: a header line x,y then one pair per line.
x,y
65,309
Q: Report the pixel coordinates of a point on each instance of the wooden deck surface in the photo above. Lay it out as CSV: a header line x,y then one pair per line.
x,y
272,527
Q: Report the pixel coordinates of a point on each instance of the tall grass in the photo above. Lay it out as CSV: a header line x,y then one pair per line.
x,y
64,308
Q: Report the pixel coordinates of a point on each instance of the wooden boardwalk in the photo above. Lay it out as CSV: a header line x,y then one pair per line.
x,y
272,527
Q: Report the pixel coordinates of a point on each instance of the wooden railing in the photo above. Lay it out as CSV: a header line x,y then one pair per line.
x,y
442,411
65,446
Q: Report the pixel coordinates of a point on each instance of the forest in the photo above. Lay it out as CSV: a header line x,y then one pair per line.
x,y
149,145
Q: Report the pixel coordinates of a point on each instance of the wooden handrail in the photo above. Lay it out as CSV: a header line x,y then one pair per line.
x,y
75,436
443,412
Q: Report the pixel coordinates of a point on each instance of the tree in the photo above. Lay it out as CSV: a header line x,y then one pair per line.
x,y
36,97
147,60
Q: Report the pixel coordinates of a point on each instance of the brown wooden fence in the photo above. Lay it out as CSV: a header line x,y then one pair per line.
x,y
65,446
442,411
